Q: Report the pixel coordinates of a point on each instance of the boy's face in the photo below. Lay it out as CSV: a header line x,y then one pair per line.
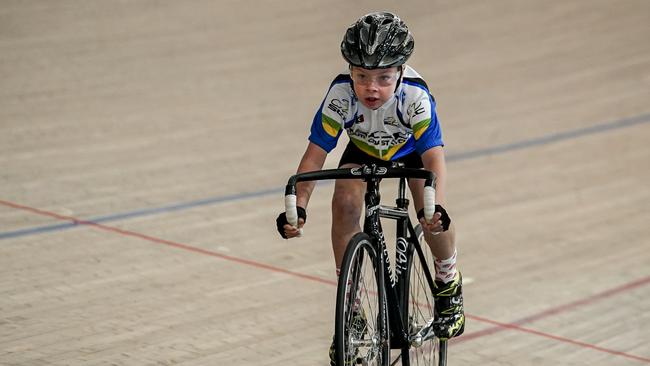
x,y
374,87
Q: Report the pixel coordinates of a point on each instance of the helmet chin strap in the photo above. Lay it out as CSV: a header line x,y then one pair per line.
x,y
352,82
399,79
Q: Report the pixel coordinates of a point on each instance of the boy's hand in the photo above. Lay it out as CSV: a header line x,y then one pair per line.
x,y
435,226
288,231
291,231
439,223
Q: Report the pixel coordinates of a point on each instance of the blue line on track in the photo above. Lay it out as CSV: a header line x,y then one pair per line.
x,y
548,139
142,212
479,153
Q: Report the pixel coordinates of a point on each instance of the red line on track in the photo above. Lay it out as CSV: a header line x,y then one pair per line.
x,y
503,326
247,262
585,301
498,325
556,310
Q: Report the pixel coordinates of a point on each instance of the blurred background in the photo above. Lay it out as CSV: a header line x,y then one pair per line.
x,y
144,148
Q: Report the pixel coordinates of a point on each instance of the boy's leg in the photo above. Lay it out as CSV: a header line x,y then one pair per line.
x,y
450,317
347,206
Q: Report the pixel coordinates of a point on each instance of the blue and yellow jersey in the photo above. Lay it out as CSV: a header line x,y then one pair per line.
x,y
403,124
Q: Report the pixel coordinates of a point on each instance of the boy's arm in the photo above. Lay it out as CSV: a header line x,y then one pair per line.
x,y
434,160
444,241
313,159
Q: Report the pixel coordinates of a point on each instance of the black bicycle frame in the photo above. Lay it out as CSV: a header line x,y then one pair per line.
x,y
407,244
407,240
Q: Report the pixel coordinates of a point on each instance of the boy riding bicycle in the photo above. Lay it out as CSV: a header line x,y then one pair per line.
x,y
389,115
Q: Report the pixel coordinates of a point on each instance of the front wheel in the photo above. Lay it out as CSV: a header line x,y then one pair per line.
x,y
361,331
420,305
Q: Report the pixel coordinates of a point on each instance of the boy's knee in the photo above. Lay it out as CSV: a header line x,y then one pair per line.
x,y
346,205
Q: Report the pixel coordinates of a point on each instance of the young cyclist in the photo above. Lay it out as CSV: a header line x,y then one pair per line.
x,y
389,115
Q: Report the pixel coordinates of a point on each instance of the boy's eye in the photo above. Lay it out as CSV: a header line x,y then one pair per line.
x,y
385,78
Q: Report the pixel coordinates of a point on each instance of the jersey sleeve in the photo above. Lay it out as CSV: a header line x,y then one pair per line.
x,y
330,118
424,122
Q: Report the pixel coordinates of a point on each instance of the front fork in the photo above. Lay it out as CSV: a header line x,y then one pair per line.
x,y
395,293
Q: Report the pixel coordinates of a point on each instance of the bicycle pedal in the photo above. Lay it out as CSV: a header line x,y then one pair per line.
x,y
416,341
425,333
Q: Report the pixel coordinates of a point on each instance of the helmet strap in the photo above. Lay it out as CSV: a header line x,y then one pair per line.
x,y
399,79
352,82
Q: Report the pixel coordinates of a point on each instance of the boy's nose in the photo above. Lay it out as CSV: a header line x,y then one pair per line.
x,y
373,85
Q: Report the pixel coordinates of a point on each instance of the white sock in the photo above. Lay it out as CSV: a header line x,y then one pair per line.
x,y
446,268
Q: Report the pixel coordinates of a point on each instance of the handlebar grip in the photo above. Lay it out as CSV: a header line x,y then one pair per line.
x,y
429,202
290,209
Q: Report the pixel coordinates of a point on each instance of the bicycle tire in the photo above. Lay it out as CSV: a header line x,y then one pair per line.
x,y
361,291
420,309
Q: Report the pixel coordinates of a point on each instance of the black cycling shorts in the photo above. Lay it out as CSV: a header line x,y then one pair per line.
x,y
354,155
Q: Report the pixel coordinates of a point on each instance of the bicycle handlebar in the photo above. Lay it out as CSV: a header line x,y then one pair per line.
x,y
365,172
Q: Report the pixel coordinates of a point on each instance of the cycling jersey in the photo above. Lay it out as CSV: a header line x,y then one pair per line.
x,y
405,123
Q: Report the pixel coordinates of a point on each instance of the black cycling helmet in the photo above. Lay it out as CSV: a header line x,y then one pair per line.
x,y
376,41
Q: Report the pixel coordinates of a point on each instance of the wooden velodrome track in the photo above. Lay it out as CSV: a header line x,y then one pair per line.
x,y
144,147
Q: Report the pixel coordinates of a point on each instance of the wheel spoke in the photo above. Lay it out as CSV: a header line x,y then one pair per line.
x,y
361,331
421,307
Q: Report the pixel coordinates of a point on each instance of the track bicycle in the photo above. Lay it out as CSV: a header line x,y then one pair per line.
x,y
381,309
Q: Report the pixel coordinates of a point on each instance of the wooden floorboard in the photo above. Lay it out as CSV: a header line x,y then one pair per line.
x,y
144,147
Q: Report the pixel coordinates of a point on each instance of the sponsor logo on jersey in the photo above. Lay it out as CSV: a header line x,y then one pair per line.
x,y
414,109
340,106
391,121
381,139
